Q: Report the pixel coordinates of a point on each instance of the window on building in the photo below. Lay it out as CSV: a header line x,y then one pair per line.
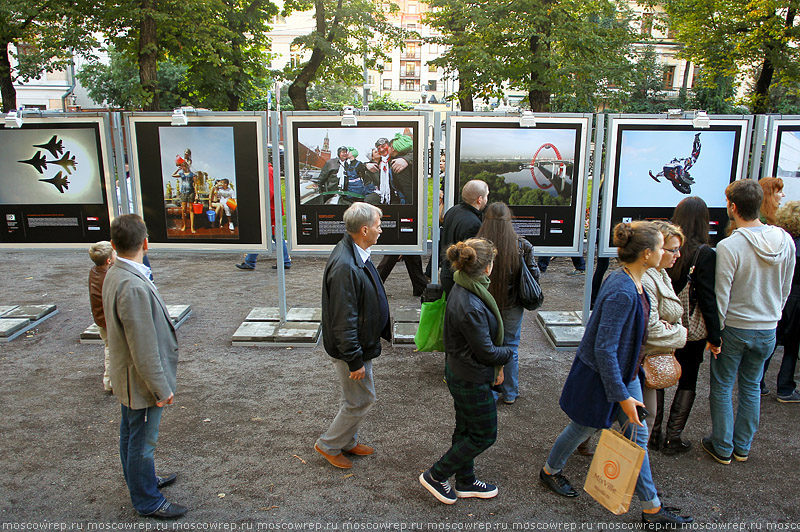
x,y
295,55
432,85
387,84
432,68
370,79
407,85
647,24
669,77
412,9
412,49
387,66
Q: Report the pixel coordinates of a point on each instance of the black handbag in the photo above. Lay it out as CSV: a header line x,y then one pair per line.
x,y
530,293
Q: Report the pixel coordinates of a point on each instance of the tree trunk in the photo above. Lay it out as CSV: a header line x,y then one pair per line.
x,y
233,101
538,98
7,90
466,102
761,92
148,54
299,87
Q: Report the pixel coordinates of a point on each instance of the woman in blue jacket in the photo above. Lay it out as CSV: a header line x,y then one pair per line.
x,y
475,354
603,384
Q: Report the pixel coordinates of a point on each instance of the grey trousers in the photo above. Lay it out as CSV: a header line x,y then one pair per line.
x,y
357,399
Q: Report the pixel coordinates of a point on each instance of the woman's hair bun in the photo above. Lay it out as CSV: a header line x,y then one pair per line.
x,y
622,234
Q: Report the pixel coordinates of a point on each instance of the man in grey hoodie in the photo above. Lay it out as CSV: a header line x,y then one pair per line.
x,y
753,279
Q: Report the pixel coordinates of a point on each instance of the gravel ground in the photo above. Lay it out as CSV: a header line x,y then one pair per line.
x,y
241,431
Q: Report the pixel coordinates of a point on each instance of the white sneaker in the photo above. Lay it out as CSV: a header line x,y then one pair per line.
x,y
230,226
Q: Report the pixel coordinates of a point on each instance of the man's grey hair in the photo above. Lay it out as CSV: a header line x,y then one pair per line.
x,y
360,214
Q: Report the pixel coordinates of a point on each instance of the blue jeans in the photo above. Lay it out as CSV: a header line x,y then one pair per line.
x,y
574,434
743,354
512,327
138,434
251,258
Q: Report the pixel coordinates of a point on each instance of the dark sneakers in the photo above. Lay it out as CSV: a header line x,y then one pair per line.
x,y
245,266
558,483
478,489
665,517
440,490
708,447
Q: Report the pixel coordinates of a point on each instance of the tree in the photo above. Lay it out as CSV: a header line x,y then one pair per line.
x,y
469,37
226,64
729,36
46,34
573,48
118,82
347,33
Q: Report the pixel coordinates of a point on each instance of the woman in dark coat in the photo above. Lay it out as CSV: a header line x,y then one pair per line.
x,y
691,215
603,384
475,354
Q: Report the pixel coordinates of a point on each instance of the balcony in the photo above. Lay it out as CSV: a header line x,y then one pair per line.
x,y
410,74
412,56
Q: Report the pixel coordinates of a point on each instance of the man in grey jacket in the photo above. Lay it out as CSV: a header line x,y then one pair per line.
x,y
143,361
753,279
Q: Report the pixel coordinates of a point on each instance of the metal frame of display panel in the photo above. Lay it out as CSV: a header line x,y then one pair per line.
x,y
656,156
94,229
779,127
245,136
508,134
304,164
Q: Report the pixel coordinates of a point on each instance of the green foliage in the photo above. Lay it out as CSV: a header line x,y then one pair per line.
x,y
332,96
385,103
499,190
575,49
348,34
727,37
49,32
117,83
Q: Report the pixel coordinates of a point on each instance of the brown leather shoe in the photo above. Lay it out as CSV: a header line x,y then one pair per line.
x,y
360,450
336,460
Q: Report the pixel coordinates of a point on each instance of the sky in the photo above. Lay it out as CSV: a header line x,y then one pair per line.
x,y
21,185
502,143
645,151
212,151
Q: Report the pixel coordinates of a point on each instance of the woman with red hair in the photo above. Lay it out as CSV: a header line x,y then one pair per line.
x,y
773,194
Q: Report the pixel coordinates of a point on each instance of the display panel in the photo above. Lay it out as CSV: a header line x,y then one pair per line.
x,y
201,186
56,177
330,166
653,163
538,171
783,152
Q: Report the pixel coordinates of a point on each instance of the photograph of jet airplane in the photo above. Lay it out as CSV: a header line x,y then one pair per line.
x,y
40,162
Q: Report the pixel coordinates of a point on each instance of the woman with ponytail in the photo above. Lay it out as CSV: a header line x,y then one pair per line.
x,y
475,354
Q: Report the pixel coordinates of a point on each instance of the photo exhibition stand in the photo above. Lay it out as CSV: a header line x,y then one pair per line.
x,y
564,329
271,326
59,199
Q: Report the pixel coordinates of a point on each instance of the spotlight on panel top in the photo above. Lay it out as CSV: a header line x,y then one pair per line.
x,y
13,119
701,120
179,118
526,119
349,116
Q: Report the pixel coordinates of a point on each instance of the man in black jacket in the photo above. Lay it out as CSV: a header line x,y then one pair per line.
x,y
461,222
355,315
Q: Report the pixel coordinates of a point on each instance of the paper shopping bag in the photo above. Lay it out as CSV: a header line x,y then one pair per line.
x,y
614,471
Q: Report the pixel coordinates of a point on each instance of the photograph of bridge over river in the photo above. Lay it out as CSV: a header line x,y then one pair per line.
x,y
538,171
521,166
